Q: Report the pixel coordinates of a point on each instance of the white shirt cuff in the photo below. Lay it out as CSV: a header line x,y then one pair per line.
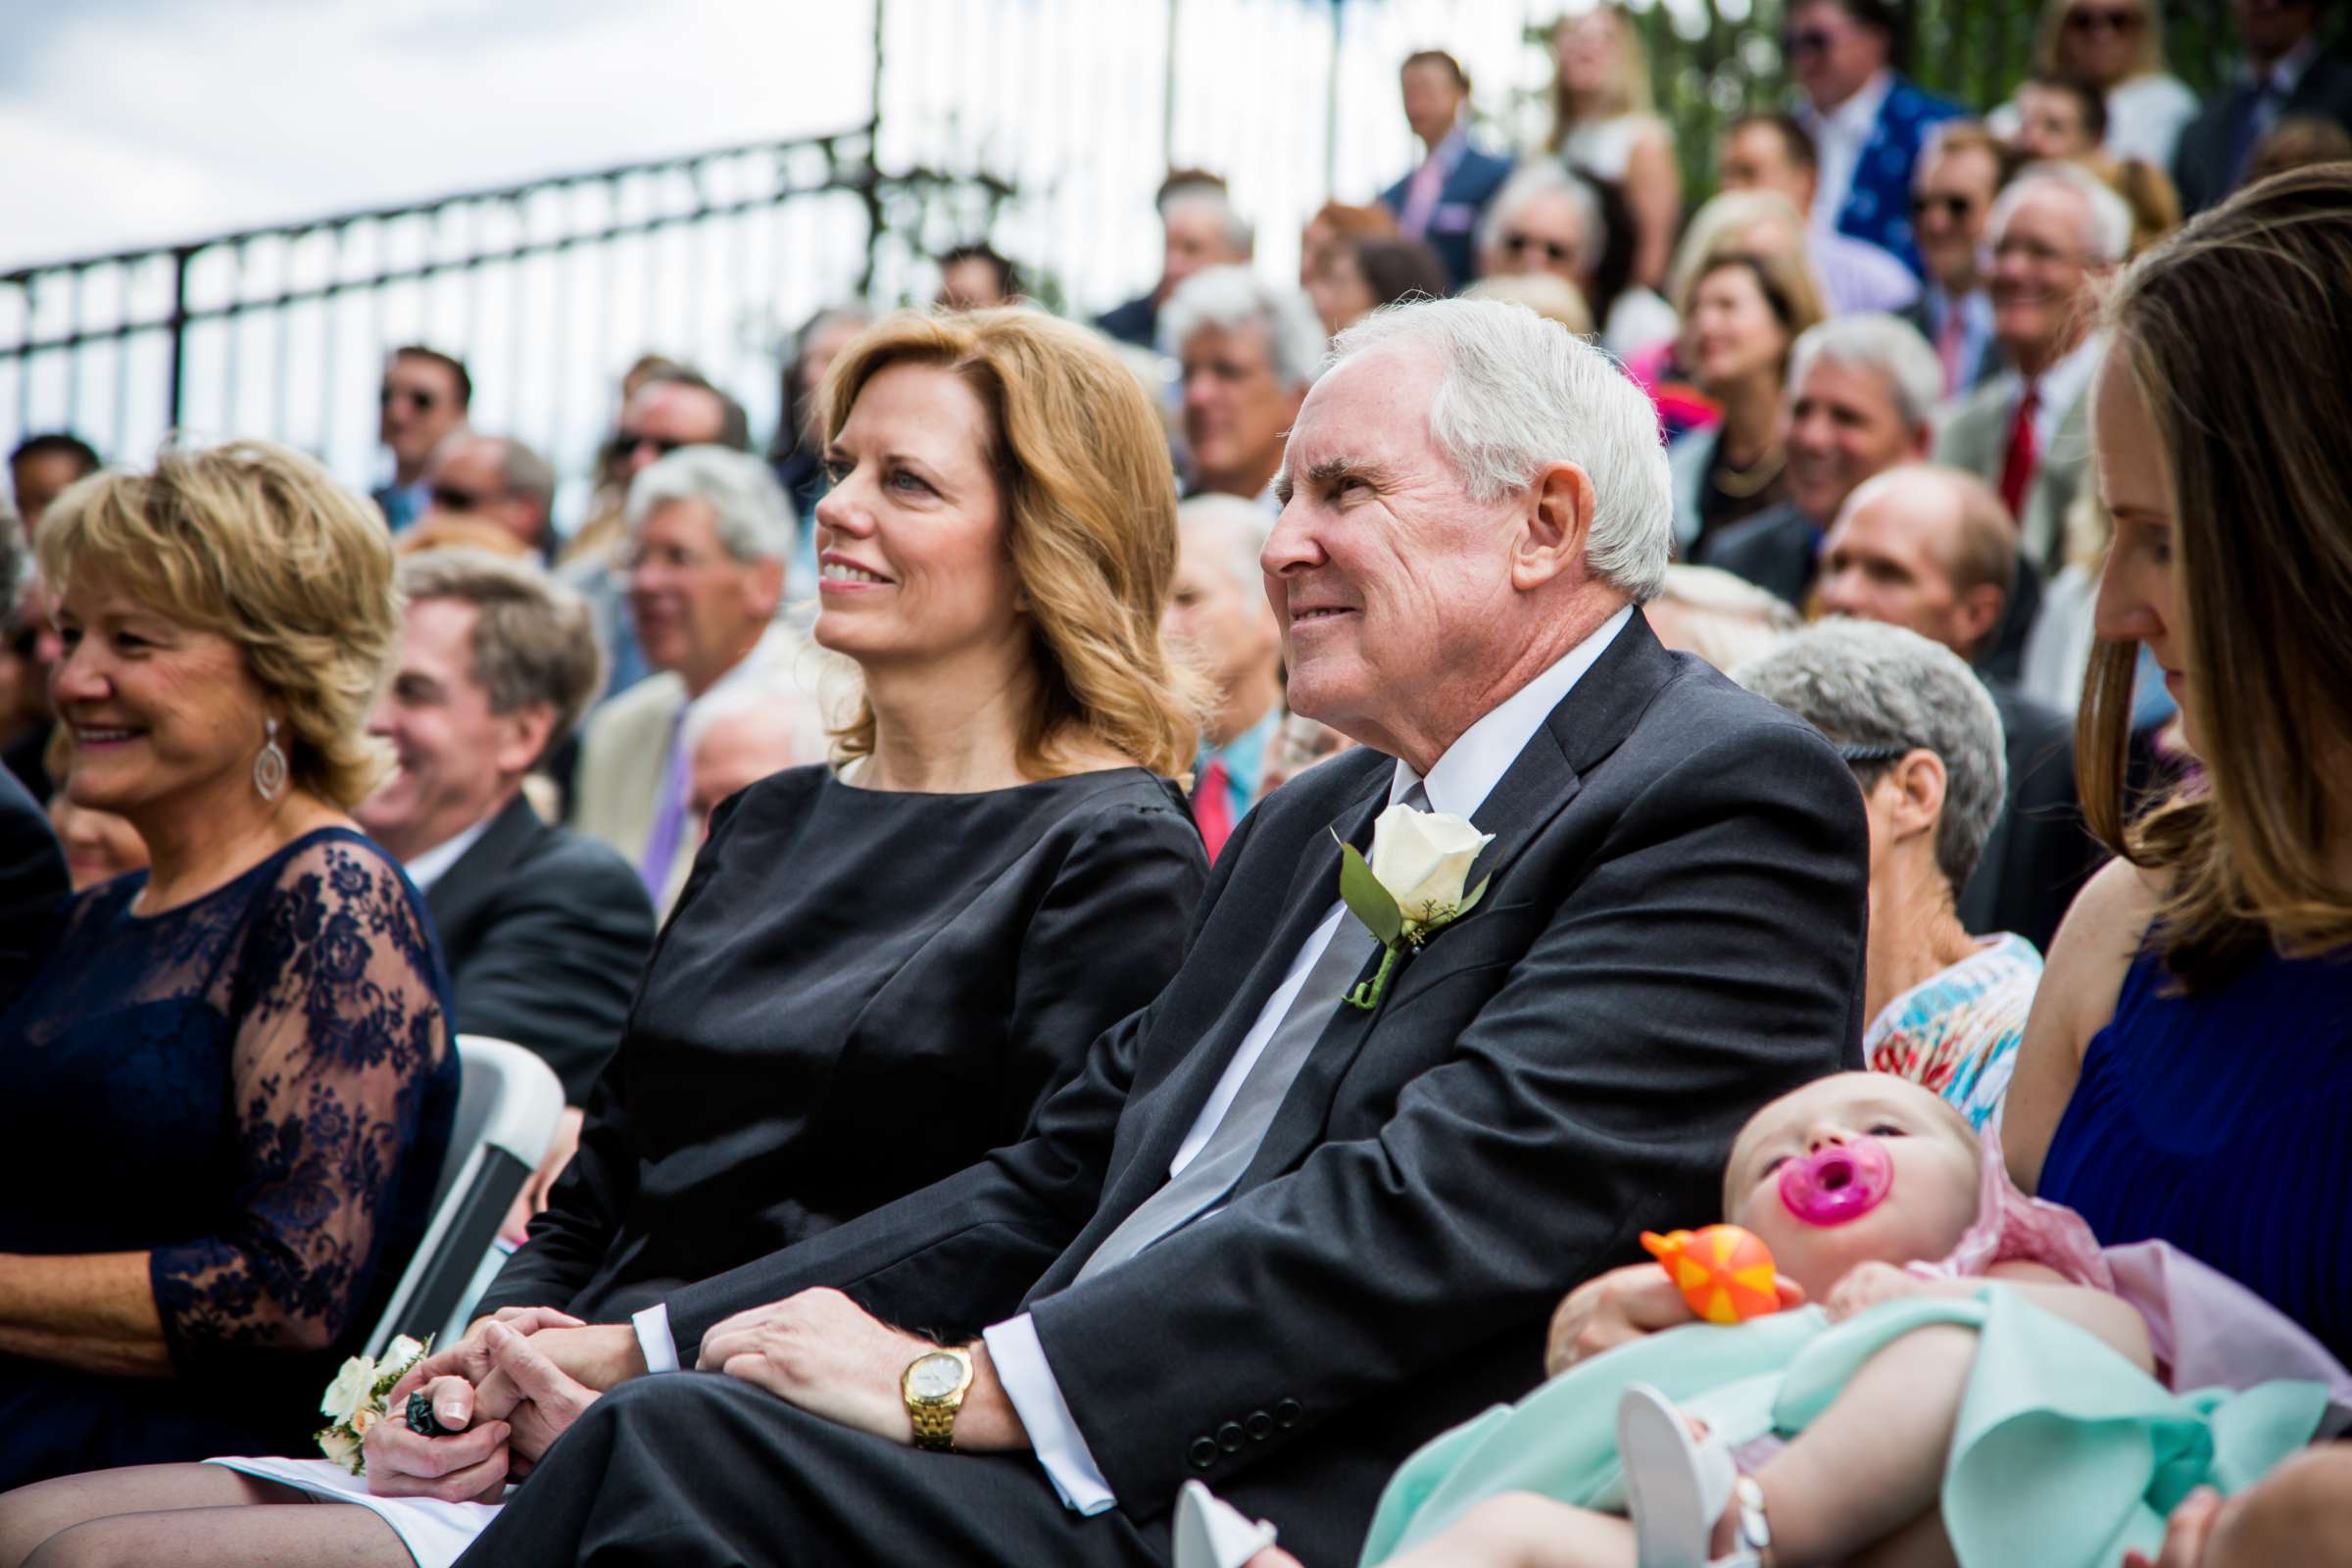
x,y
654,1338
1020,1363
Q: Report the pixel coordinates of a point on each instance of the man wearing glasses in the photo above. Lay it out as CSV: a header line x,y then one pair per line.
x,y
1959,173
1867,121
421,404
2055,231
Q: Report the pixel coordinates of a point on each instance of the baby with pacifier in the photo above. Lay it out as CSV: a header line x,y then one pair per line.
x,y
1978,1381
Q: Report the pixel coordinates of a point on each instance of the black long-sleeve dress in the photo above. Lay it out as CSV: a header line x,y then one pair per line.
x,y
860,992
255,1089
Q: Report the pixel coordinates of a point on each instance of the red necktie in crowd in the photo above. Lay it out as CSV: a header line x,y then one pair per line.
x,y
1212,807
2017,469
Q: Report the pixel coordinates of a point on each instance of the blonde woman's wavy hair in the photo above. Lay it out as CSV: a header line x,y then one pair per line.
x,y
254,542
2259,474
1090,508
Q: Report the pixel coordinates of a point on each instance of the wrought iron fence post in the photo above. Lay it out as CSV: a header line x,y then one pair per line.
x,y
176,323
869,189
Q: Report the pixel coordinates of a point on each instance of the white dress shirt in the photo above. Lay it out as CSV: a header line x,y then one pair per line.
x,y
433,865
1458,783
1839,138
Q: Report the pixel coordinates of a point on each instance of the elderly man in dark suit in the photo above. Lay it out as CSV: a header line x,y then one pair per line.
x,y
545,930
1314,1205
1933,550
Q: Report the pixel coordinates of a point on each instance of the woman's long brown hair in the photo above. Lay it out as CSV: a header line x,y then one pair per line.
x,y
2238,332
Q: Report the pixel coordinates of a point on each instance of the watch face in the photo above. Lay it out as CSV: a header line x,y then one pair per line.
x,y
934,1377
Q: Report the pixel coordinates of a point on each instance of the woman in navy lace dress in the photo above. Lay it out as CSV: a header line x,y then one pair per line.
x,y
228,1091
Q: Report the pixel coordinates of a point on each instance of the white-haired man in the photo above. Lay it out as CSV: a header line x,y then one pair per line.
x,y
709,531
1862,396
2055,231
1247,350
1218,615
742,735
1200,228
1312,1205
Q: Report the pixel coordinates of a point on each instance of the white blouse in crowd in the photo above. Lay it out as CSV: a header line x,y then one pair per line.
x,y
2145,118
1605,146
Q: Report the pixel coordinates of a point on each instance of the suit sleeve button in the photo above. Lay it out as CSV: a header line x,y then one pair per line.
x,y
1287,1413
1259,1425
1202,1453
1229,1438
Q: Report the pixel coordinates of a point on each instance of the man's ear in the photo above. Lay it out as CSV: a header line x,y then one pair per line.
x,y
523,736
1980,613
1923,440
1556,527
766,580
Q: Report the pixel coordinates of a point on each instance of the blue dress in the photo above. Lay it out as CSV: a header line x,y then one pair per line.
x,y
255,1089
2216,1121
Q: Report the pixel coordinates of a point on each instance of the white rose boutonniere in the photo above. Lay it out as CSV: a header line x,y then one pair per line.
x,y
355,1401
1411,886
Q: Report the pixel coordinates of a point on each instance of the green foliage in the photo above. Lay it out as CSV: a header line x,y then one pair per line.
x,y
1708,70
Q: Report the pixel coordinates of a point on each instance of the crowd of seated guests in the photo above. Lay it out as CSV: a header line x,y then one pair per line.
x,y
917,736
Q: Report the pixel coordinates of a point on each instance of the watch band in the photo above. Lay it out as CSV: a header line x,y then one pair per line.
x,y
934,1424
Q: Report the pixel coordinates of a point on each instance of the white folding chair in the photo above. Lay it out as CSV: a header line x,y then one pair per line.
x,y
507,1108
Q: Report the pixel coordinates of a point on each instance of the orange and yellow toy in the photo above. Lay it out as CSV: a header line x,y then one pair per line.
x,y
1724,1273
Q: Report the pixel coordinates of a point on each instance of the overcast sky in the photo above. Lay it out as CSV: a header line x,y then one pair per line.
x,y
127,122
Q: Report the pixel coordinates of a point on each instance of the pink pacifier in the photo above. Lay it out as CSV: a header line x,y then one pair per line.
x,y
1838,1182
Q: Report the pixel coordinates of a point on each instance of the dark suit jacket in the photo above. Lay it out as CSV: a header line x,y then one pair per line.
x,y
1673,936
33,882
1778,549
545,932
2040,854
1137,322
1454,226
2202,165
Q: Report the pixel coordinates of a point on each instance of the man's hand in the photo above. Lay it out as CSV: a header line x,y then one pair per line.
x,y
821,1352
541,1398
473,1461
1623,1305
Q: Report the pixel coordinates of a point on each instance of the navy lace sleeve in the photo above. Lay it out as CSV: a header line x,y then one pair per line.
x,y
342,1083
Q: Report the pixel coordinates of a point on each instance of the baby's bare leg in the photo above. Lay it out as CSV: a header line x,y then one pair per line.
x,y
1921,1543
189,1514
1872,1464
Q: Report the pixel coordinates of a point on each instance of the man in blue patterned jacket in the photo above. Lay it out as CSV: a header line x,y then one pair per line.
x,y
1868,120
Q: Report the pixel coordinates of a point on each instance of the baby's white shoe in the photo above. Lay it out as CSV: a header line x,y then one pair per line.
x,y
1677,1486
1211,1533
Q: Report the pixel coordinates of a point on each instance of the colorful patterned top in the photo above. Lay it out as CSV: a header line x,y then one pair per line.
x,y
1957,1032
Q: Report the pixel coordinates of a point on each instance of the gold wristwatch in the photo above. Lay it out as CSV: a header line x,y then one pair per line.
x,y
933,1386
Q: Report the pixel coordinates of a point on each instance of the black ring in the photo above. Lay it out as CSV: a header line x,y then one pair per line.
x,y
421,1420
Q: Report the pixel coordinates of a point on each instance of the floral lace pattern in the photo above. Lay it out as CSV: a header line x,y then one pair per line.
x,y
270,1069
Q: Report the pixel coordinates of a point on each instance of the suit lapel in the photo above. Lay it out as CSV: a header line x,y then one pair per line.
x,y
1174,1105
467,885
1588,724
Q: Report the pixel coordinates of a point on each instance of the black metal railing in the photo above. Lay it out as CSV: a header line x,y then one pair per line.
x,y
545,288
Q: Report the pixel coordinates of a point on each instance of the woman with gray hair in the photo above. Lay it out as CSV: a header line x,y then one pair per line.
x,y
1920,731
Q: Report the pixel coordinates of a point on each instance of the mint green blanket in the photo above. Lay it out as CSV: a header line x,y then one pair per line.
x,y
2065,1454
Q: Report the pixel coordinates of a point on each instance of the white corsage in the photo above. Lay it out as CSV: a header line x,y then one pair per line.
x,y
1411,886
355,1401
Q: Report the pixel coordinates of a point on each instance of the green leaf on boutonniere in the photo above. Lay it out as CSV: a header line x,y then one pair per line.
x,y
1469,900
1367,899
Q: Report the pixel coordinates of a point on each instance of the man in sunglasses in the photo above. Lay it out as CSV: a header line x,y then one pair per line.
x,y
493,480
1867,121
1962,170
2284,72
421,404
